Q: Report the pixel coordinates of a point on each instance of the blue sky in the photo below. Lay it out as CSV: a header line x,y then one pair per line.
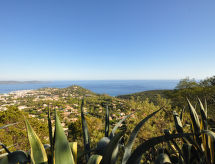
x,y
106,39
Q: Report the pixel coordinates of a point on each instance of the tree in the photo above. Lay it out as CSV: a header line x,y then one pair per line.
x,y
208,82
187,83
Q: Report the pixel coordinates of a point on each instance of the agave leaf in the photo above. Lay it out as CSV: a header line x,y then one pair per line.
x,y
15,157
202,110
163,159
3,156
187,140
38,153
95,159
48,153
118,125
178,123
5,148
211,142
50,135
194,118
176,147
4,159
110,152
204,125
186,148
133,135
206,142
86,135
18,157
191,154
82,153
5,126
115,154
181,115
172,147
206,108
211,147
74,148
63,153
107,122
101,145
141,149
195,122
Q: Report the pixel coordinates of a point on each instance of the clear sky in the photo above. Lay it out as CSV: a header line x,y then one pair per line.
x,y
106,39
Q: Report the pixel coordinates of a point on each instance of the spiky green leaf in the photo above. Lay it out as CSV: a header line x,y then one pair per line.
x,y
5,148
74,149
110,152
137,153
163,159
118,125
195,122
3,155
86,135
186,149
38,153
204,124
62,151
50,135
101,145
95,159
211,142
133,135
107,122
15,157
178,123
194,118
181,115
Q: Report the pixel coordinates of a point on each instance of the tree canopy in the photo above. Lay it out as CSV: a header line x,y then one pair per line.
x,y
208,82
186,83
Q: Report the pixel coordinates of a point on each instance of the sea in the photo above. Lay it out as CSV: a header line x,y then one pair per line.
x,y
110,87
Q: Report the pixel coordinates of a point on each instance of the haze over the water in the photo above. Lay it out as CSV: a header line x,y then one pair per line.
x,y
114,39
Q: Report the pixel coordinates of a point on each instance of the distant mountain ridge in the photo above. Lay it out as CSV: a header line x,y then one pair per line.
x,y
23,82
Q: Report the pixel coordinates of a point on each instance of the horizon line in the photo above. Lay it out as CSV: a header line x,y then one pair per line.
x,y
91,80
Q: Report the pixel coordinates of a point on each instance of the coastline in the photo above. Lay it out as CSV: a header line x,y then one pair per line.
x,y
112,88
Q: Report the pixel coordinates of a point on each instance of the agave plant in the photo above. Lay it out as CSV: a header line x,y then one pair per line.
x,y
198,148
108,147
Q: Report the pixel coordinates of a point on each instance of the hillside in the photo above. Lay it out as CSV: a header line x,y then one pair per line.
x,y
151,94
34,105
178,97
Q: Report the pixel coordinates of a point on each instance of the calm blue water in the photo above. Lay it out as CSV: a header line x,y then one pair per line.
x,y
111,87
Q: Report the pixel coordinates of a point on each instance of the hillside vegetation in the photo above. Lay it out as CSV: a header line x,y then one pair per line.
x,y
35,106
186,88
67,102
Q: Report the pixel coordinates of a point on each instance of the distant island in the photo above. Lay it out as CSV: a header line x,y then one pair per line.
x,y
23,82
